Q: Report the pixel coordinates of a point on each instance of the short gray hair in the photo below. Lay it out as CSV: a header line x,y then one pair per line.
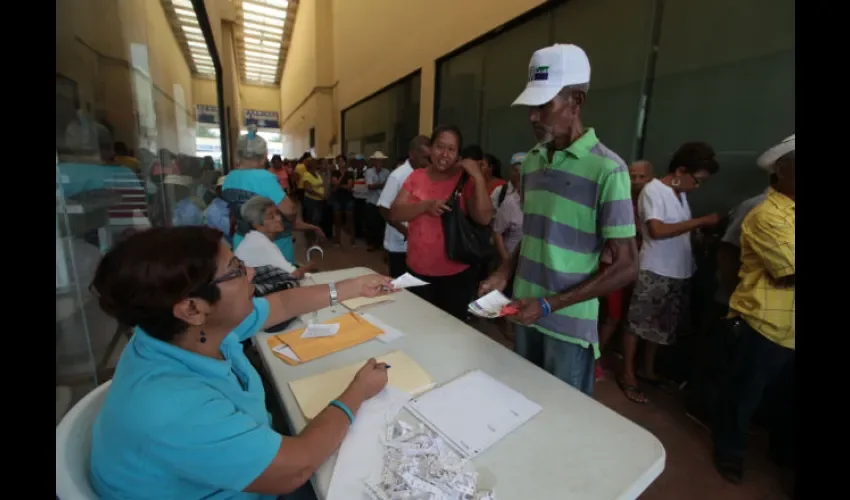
x,y
254,210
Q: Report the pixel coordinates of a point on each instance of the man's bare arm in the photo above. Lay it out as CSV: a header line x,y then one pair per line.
x,y
622,271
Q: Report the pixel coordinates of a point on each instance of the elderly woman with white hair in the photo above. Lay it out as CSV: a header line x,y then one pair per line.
x,y
249,179
258,250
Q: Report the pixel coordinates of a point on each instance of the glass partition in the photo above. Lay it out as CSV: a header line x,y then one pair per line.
x,y
735,90
384,122
127,158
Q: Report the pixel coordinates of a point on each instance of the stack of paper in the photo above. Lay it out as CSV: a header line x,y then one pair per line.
x,y
492,305
314,393
473,412
307,344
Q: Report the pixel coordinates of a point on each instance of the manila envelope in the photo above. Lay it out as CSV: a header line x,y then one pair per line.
x,y
353,330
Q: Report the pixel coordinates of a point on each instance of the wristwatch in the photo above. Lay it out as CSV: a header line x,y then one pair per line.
x,y
332,287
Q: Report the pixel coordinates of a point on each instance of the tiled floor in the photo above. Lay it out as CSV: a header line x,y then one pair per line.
x,y
688,473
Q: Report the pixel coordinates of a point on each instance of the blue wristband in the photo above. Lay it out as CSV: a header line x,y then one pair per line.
x,y
544,304
344,410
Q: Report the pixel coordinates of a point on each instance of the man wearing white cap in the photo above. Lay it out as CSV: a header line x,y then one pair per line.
x,y
376,176
762,311
576,203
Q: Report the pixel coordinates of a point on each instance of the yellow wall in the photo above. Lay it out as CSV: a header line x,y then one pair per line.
x,y
93,49
260,98
370,44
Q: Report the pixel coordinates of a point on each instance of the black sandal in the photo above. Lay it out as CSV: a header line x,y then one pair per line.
x,y
632,393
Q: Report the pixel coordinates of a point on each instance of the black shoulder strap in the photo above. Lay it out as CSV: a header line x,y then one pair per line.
x,y
502,194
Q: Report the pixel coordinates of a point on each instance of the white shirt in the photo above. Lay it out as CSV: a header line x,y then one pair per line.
x,y
670,257
494,196
394,240
374,177
257,250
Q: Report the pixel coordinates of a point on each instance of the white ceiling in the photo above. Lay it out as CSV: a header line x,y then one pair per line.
x,y
263,31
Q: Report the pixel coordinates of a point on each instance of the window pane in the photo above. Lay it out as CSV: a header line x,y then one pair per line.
x,y
727,80
385,122
616,35
128,157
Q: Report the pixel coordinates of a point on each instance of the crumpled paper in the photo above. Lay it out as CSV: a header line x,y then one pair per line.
x,y
420,465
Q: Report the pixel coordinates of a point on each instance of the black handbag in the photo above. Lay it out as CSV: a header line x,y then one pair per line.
x,y
466,240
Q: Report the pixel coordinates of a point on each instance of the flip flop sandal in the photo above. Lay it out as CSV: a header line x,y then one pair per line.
x,y
632,393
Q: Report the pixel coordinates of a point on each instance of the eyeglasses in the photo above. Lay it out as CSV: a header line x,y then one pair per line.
x,y
697,182
232,274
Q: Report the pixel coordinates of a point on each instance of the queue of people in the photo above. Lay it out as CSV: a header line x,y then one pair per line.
x,y
571,227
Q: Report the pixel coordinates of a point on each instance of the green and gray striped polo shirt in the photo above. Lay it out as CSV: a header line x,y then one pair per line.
x,y
570,207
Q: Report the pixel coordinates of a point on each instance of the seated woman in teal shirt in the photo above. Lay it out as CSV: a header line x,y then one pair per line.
x,y
185,416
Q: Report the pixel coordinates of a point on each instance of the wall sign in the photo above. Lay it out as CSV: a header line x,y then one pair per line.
x,y
263,119
207,114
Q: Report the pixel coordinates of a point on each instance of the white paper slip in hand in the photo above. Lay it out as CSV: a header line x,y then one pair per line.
x,y
406,280
287,351
490,305
316,331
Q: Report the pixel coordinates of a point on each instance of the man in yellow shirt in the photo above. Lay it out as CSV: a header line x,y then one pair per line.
x,y
761,318
314,195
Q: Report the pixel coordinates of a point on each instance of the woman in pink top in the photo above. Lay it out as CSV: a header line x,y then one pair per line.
x,y
421,202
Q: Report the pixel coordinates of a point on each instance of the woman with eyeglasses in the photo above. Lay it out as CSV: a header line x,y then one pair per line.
x,y
660,305
185,416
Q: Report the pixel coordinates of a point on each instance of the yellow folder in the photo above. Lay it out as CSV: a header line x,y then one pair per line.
x,y
314,393
353,330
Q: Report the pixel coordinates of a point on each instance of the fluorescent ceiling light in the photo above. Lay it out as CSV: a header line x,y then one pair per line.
x,y
263,19
263,28
192,29
263,10
182,3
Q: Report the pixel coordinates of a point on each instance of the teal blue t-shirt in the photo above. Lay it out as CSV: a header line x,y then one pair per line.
x,y
241,185
178,425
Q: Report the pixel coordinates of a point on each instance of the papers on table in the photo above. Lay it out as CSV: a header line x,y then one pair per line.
x,y
317,331
361,302
473,412
490,305
407,280
361,455
389,334
285,350
315,392
352,330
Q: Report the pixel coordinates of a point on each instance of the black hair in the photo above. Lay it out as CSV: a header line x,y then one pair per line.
x,y
495,165
472,152
120,148
141,278
441,129
694,157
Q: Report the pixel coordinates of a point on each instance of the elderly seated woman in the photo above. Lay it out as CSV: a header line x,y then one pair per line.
x,y
258,249
185,417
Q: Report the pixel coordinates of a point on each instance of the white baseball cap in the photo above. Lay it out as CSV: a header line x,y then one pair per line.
x,y
550,70
767,160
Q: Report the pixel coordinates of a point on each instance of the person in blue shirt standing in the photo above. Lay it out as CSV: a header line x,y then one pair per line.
x,y
185,417
249,179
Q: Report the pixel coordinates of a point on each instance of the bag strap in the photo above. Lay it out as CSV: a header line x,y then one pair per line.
x,y
460,183
502,194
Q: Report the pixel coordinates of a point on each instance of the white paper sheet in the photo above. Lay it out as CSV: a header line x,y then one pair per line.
x,y
361,455
316,331
390,334
286,351
406,280
473,412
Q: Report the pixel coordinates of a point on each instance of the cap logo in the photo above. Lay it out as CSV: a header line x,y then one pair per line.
x,y
538,73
